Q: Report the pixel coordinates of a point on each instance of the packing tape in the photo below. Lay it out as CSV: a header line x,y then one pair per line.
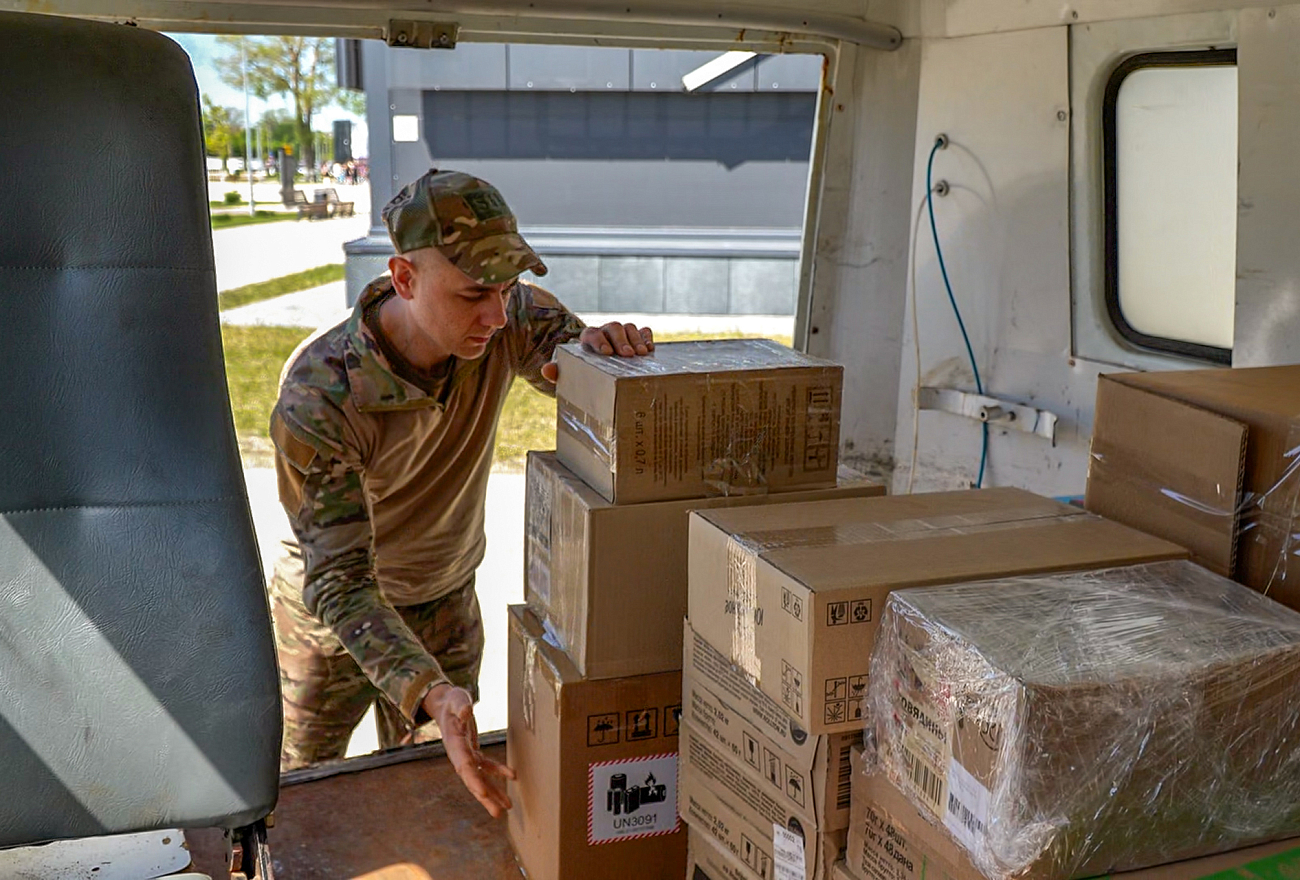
x,y
530,683
594,434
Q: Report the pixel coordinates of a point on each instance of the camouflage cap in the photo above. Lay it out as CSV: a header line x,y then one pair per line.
x,y
467,220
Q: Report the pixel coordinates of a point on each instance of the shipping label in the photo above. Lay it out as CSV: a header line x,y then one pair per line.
x,y
925,738
631,799
787,854
966,812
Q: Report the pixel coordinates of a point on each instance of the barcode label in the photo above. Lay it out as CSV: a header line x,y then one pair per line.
x,y
844,793
967,812
961,813
923,776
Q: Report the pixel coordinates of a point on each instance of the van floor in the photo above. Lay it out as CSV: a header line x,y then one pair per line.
x,y
361,819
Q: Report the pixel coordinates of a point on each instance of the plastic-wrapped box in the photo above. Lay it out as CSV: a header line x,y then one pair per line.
x,y
1208,459
1070,725
694,419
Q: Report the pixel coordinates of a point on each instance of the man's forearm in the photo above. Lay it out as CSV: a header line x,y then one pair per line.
x,y
347,600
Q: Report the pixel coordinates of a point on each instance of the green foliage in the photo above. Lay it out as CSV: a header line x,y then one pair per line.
x,y
301,68
225,221
220,129
251,293
352,101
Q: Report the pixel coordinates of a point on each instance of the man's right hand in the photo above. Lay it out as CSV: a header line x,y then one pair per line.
x,y
453,709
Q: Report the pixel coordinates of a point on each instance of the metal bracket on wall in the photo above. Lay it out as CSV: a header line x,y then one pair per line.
x,y
995,411
406,34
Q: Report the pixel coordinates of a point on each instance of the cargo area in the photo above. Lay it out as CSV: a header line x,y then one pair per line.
x,y
990,570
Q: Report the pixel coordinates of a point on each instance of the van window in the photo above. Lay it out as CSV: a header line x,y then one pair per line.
x,y
1170,133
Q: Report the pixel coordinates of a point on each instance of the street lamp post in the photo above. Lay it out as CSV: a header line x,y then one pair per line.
x,y
248,158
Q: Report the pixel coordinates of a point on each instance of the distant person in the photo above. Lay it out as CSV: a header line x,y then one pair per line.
x,y
383,432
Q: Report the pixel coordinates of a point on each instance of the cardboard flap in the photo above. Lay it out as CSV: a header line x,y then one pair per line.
x,y
1170,468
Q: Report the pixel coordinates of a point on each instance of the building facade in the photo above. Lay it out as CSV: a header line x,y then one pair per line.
x,y
651,181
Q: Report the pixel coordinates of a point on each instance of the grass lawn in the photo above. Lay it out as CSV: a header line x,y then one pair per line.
x,y
251,293
255,355
227,221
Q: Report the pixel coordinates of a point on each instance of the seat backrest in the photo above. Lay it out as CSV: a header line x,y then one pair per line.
x,y
138,685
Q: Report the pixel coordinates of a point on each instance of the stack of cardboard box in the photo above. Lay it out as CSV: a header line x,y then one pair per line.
x,y
889,839
596,654
784,605
1206,459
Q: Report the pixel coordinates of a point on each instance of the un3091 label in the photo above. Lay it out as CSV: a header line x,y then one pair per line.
x,y
632,798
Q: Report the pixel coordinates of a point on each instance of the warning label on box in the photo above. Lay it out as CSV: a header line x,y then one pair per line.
x,y
632,798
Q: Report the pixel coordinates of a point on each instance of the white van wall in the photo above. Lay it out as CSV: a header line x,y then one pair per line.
x,y
1021,227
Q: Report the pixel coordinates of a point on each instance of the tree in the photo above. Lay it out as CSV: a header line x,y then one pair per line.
x,y
221,131
353,102
301,68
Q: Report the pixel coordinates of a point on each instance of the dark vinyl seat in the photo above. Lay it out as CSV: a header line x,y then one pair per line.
x,y
138,685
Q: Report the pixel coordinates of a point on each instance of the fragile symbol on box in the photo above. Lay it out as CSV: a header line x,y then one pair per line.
x,y
632,798
642,724
855,710
791,604
602,730
837,614
755,857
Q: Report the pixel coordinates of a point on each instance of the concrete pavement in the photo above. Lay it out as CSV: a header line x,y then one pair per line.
x,y
325,305
262,251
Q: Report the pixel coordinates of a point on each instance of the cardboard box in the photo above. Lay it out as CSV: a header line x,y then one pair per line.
x,y
706,860
597,766
1202,458
725,417
609,581
840,871
750,837
793,592
1066,725
809,774
891,840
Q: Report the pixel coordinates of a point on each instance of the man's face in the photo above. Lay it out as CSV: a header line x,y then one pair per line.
x,y
455,313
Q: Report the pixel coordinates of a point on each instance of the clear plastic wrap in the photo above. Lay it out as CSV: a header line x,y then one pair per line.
x,y
695,419
1070,725
701,356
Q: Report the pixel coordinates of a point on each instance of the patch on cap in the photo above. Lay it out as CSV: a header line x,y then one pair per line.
x,y
465,218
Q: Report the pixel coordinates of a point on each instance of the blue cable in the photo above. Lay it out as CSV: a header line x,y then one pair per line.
x,y
943,269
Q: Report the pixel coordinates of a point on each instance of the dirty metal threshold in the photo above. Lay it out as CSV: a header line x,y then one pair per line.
x,y
384,758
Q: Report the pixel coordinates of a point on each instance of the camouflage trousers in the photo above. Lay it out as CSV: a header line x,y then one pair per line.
x,y
325,693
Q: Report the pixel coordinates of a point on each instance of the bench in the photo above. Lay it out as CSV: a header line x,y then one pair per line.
x,y
330,197
311,210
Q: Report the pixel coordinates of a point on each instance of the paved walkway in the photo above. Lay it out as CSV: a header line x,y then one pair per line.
x,y
326,305
247,254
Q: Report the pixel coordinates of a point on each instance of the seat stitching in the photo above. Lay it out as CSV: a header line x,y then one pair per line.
x,y
100,268
127,505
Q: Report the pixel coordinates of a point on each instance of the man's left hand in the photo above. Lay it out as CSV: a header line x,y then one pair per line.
x,y
623,340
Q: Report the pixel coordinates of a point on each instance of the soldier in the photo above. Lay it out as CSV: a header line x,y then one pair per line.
x,y
384,432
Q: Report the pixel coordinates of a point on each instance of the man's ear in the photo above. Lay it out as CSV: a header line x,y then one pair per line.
x,y
403,273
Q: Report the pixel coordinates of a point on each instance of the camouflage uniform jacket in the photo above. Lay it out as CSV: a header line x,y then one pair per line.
x,y
384,475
